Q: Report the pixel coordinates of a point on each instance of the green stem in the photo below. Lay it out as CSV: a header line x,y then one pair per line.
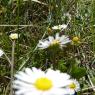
x,y
12,67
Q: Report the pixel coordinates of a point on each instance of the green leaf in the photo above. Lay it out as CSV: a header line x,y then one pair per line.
x,y
78,72
62,66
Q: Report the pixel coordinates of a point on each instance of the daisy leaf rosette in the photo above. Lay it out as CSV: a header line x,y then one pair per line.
x,y
51,41
37,82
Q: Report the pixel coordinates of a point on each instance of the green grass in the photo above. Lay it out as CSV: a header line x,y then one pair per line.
x,y
77,60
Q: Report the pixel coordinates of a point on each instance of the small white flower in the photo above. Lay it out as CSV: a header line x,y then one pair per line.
x,y
60,40
59,27
13,36
37,82
1,52
73,87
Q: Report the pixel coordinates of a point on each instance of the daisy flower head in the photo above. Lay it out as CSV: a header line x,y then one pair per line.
x,y
76,40
1,52
49,30
73,87
59,27
37,82
51,41
13,36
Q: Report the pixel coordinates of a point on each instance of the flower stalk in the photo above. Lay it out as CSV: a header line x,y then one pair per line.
x,y
12,67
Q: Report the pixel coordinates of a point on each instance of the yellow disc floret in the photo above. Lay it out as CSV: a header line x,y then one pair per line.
x,y
72,86
55,42
43,84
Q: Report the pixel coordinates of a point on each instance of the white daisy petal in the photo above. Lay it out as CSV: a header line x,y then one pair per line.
x,y
32,93
55,27
1,52
59,27
64,38
57,36
22,76
35,71
64,26
70,91
63,43
28,71
52,74
43,44
51,38
28,91
22,83
57,91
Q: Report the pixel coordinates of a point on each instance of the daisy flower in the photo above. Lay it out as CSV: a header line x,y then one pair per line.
x,y
73,87
57,40
1,52
13,36
37,82
76,40
59,27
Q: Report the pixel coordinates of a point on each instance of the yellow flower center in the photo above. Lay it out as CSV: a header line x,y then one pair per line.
x,y
55,42
72,86
43,84
75,39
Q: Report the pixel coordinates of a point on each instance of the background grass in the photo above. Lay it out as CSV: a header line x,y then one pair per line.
x,y
77,60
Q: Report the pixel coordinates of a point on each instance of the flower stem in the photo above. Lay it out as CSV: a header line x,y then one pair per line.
x,y
12,67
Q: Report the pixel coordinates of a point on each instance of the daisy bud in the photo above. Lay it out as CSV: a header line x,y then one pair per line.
x,y
14,36
76,40
49,30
